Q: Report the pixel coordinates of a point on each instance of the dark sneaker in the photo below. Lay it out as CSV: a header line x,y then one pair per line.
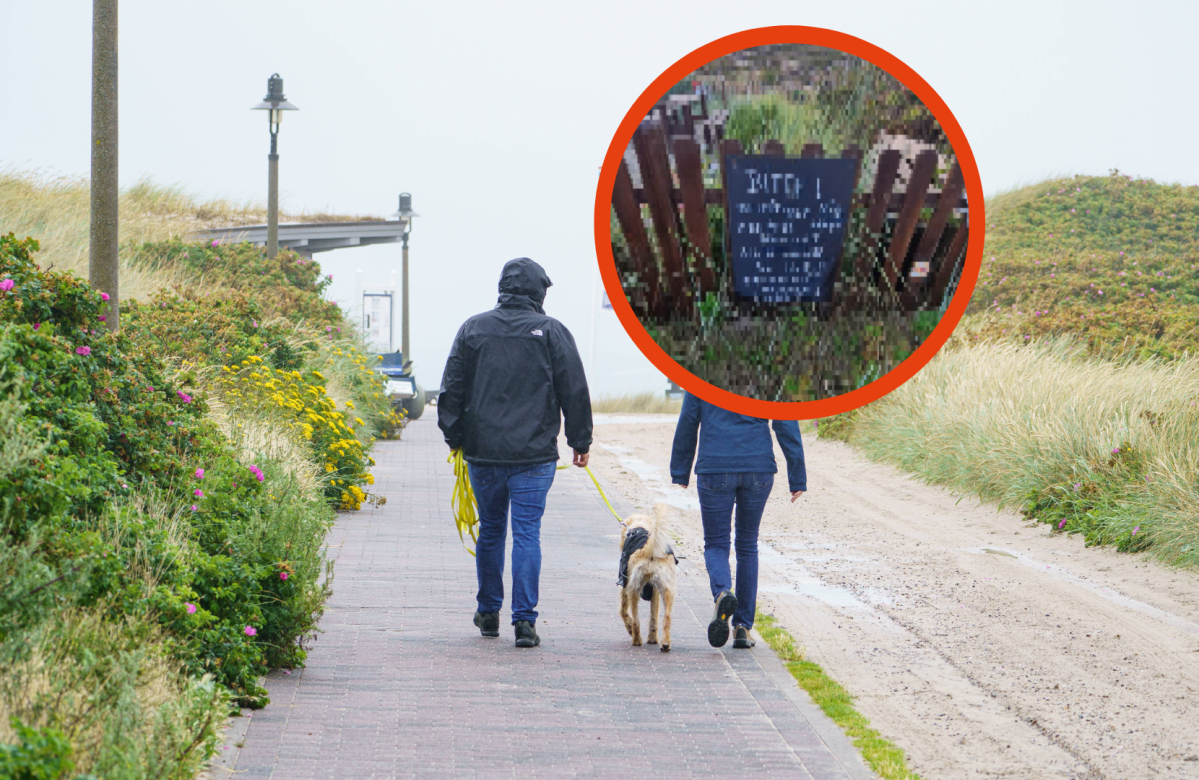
x,y
718,629
488,623
526,634
742,639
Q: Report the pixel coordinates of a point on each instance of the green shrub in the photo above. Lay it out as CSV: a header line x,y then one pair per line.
x,y
42,754
289,286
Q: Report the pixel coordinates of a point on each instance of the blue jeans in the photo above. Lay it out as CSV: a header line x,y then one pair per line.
x,y
718,493
525,488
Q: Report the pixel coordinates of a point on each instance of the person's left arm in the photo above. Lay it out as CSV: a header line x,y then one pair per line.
x,y
787,432
686,435
570,389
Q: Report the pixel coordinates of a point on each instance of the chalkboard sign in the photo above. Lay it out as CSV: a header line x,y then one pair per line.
x,y
786,224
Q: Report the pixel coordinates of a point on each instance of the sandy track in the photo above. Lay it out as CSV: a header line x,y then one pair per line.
x,y
982,646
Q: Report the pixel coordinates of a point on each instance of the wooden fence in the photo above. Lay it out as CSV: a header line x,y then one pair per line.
x,y
914,247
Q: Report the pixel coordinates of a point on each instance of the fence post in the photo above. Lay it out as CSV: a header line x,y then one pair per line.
x,y
913,204
650,146
689,167
628,214
931,240
950,261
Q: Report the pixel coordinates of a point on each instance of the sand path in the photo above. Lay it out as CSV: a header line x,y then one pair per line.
x,y
983,646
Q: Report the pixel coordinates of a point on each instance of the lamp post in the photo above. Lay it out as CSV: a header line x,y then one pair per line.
x,y
405,213
274,104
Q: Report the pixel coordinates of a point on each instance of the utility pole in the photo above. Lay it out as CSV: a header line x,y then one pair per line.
x,y
103,244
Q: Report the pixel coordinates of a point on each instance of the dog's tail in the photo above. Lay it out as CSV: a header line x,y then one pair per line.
x,y
659,532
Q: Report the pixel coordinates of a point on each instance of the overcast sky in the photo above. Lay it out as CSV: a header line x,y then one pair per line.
x,y
496,117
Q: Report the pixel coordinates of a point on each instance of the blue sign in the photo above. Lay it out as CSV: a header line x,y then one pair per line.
x,y
786,225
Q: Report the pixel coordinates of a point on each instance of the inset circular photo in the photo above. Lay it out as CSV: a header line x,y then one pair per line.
x,y
788,223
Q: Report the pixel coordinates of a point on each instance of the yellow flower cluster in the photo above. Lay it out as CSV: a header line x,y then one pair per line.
x,y
352,497
302,403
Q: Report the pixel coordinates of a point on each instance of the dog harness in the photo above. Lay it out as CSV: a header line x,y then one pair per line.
x,y
634,540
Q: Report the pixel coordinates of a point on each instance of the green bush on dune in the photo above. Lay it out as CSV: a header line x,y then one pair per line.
x,y
160,542
1069,390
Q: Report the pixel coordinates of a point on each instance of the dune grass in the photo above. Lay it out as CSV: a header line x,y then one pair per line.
x,y
883,756
635,403
1070,389
1104,448
55,210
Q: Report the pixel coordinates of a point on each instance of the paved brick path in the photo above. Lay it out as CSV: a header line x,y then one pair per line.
x,y
401,684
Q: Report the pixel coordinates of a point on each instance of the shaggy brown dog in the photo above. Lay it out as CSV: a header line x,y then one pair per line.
x,y
649,568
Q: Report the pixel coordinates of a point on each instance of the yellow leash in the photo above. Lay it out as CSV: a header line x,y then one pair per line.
x,y
466,509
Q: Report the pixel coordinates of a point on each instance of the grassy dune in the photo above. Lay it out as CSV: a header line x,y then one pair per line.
x,y
55,211
1112,260
165,492
1071,388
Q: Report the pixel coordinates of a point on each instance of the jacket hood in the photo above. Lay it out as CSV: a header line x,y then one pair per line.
x,y
524,277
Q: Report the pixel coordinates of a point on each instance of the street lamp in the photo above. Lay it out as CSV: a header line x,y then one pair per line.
x,y
274,104
405,213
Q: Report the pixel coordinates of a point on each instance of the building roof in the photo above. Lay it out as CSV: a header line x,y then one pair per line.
x,y
310,238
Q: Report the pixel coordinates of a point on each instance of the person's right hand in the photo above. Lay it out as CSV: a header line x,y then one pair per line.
x,y
581,459
796,494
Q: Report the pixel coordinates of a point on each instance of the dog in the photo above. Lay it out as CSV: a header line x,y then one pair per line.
x,y
647,568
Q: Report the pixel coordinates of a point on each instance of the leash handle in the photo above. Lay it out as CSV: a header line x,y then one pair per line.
x,y
462,501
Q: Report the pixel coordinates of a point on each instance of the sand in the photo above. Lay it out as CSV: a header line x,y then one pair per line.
x,y
980,644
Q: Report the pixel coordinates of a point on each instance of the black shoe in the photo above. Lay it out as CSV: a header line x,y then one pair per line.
x,y
526,634
718,629
488,623
742,639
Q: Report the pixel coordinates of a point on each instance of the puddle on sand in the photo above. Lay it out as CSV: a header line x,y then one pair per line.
x,y
803,582
670,494
1111,594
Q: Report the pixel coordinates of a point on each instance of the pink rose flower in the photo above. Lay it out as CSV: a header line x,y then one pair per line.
x,y
102,318
198,493
85,351
282,575
199,473
104,296
7,285
251,631
191,608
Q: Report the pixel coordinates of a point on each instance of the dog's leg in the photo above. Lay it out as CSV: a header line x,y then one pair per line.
x,y
667,607
635,628
624,611
652,637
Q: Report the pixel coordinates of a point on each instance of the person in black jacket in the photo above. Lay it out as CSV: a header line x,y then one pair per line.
x,y
511,375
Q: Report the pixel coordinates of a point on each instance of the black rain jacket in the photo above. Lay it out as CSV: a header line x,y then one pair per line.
x,y
510,373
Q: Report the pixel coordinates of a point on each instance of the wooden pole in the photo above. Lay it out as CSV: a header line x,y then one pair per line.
x,y
103,237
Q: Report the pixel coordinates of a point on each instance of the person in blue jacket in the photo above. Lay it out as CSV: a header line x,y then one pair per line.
x,y
735,468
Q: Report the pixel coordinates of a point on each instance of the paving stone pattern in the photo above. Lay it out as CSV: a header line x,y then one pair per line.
x,y
401,684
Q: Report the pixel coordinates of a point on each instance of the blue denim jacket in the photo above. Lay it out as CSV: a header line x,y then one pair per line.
x,y
731,443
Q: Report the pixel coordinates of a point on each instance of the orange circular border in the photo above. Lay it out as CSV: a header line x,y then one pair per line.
x,y
783,410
